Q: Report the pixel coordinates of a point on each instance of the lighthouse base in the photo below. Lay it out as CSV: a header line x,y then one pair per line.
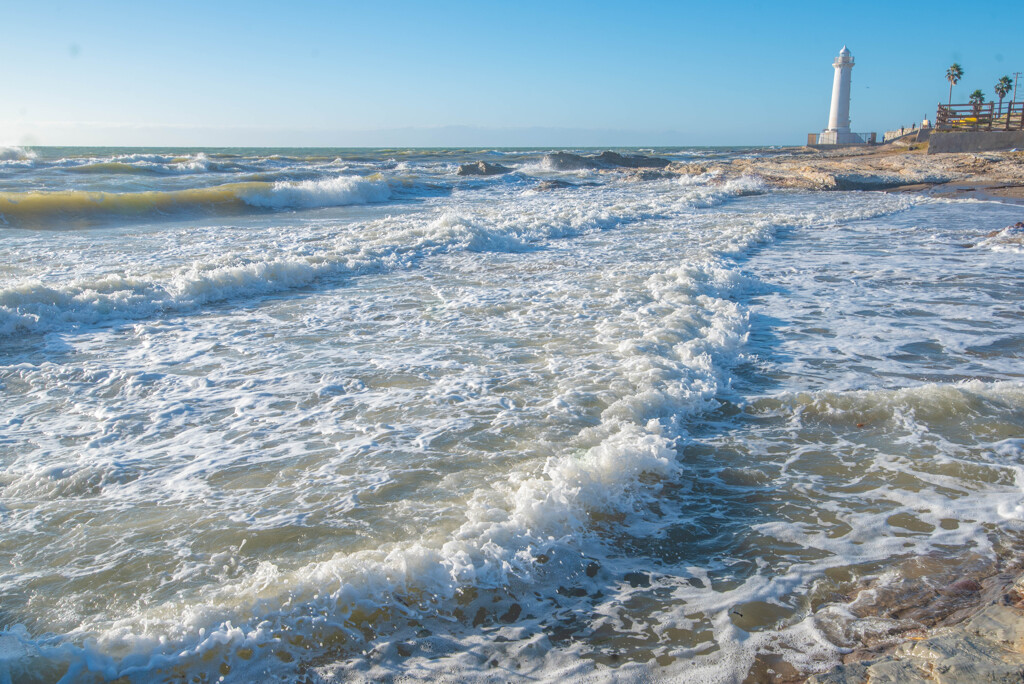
x,y
843,138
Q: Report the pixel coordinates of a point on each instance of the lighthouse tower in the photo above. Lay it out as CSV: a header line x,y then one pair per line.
x,y
838,131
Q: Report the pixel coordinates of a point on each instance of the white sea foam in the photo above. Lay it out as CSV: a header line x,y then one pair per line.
x,y
1009,239
686,336
455,433
16,154
34,306
328,192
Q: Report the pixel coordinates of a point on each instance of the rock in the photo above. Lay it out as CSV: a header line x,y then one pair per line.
x,y
688,169
553,184
567,161
963,586
482,168
513,613
986,649
645,174
842,674
636,161
999,623
637,579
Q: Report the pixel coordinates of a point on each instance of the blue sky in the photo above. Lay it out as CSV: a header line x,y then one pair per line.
x,y
482,73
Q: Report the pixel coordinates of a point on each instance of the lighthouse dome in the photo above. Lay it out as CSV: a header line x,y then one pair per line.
x,y
845,52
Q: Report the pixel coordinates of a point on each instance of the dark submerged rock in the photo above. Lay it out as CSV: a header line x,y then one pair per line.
x,y
637,579
513,613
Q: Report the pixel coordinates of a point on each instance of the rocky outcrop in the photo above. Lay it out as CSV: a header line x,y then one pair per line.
x,y
567,161
633,161
552,184
482,168
1000,174
987,648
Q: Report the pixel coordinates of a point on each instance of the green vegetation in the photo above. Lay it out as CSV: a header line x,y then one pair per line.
x,y
1003,86
977,99
953,75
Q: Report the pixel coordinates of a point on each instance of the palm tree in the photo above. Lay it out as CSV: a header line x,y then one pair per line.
x,y
1002,88
977,99
953,75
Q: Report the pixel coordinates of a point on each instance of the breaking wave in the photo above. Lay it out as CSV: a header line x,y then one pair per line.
x,y
72,208
16,154
33,306
613,469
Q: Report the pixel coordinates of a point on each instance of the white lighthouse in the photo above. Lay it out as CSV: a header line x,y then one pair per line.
x,y
838,131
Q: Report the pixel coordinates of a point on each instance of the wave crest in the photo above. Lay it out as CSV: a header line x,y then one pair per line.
x,y
16,154
75,208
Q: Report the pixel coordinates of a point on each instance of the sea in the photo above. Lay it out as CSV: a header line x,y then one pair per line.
x,y
319,415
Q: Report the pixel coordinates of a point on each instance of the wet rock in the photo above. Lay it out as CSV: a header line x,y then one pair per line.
x,y
987,648
553,185
637,579
480,617
964,586
999,623
688,168
566,161
645,174
592,569
573,592
513,613
482,168
633,161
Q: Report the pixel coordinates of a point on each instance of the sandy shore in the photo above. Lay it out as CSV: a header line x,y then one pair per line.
x,y
897,167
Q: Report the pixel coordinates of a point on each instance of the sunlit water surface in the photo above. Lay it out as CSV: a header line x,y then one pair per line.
x,y
342,413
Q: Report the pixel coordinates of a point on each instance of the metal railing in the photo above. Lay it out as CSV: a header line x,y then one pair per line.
x,y
987,116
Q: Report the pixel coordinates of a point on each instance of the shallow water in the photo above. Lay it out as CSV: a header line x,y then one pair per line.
x,y
365,418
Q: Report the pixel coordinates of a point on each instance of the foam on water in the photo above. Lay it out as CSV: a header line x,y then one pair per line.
x,y
75,207
499,431
15,154
34,306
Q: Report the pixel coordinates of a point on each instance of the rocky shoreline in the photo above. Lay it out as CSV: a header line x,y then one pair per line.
x,y
983,642
896,167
